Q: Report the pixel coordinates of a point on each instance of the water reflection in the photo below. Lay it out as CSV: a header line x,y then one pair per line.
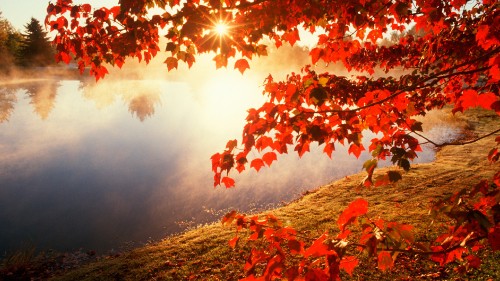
x,y
42,96
140,96
7,101
117,161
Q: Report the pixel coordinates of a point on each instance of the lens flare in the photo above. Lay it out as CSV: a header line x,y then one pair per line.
x,y
221,28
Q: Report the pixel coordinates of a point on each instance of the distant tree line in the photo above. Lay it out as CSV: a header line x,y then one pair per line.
x,y
29,49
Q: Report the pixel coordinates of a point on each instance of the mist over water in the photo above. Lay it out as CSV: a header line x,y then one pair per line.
x,y
97,165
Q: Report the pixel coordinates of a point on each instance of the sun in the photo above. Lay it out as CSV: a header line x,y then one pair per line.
x,y
221,28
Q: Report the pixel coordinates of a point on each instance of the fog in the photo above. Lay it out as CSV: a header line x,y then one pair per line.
x,y
97,165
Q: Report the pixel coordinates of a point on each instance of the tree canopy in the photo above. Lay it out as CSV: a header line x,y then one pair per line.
x,y
452,58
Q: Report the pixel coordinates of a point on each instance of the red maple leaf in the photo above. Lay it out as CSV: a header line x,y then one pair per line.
x,y
257,164
385,260
241,65
228,182
269,157
357,208
348,264
356,149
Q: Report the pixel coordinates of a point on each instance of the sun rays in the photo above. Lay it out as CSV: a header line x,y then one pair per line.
x,y
221,28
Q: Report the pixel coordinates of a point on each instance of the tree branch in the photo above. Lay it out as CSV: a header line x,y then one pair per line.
x,y
420,84
455,142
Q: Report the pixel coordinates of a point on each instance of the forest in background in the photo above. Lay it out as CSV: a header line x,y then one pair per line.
x,y
30,48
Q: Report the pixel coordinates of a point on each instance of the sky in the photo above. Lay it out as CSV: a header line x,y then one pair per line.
x,y
20,12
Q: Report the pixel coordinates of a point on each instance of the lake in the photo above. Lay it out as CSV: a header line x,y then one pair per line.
x,y
102,166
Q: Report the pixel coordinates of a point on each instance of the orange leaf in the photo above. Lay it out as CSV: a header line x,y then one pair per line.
x,y
257,164
269,157
220,61
241,65
171,63
385,260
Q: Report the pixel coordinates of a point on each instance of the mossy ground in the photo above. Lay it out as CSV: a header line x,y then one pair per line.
x,y
204,254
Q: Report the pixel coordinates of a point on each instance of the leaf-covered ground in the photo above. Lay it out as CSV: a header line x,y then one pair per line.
x,y
204,254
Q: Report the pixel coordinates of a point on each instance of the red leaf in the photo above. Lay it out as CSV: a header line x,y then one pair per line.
x,y
220,61
329,148
269,157
316,54
231,144
471,98
257,164
473,261
86,8
385,260
356,149
482,33
493,155
291,37
296,247
317,274
487,99
233,242
302,148
348,264
494,71
374,35
115,11
318,248
229,217
228,182
171,63
494,238
63,56
241,65
357,208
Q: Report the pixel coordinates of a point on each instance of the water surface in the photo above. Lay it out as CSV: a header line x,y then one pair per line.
x,y
95,166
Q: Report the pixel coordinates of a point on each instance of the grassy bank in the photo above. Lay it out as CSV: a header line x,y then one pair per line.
x,y
204,254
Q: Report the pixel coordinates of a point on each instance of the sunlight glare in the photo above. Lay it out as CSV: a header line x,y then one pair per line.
x,y
221,28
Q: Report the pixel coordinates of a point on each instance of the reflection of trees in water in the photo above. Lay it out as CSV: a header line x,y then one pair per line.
x,y
143,106
7,101
141,96
43,96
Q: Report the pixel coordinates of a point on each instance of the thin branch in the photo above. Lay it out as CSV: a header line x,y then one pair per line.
x,y
455,142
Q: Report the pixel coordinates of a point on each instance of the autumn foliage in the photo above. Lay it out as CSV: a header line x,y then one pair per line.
x,y
452,58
